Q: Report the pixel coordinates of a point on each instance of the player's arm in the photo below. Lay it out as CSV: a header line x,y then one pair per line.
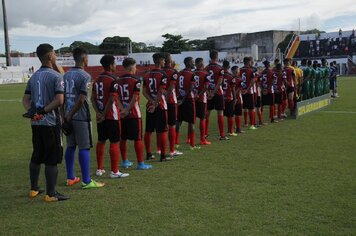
x,y
172,84
146,94
252,81
57,102
99,115
26,101
219,82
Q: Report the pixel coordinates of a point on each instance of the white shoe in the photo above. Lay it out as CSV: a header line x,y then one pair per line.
x,y
118,175
99,172
176,153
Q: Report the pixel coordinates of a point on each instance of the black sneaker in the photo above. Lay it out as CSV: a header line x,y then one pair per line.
x,y
149,156
56,197
223,138
166,159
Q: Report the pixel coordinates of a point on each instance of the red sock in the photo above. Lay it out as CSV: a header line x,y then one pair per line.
x,y
192,138
250,113
148,140
158,146
114,157
230,124
284,106
207,126
177,137
162,139
100,148
202,130
123,149
139,151
271,112
280,109
260,117
221,125
238,122
245,117
171,137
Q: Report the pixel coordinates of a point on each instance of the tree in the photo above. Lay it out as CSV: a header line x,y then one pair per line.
x,y
139,47
115,45
312,31
175,43
93,49
201,44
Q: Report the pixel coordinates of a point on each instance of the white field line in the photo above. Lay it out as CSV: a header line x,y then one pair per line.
x,y
10,100
340,112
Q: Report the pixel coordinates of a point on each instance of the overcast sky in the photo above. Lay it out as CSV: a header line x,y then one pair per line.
x,y
63,21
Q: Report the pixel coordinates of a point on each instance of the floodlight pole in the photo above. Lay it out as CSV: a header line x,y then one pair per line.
x,y
6,35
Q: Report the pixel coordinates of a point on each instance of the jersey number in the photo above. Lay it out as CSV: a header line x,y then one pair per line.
x,y
124,89
99,90
153,85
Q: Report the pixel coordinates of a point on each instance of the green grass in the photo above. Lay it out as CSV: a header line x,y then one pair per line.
x,y
296,177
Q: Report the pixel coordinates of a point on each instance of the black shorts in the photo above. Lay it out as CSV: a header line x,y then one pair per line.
x,y
278,98
268,99
290,89
248,101
131,129
187,111
156,121
284,96
332,83
238,110
258,101
217,103
109,129
200,109
172,114
229,109
47,145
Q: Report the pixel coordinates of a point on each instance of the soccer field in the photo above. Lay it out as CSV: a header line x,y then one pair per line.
x,y
296,177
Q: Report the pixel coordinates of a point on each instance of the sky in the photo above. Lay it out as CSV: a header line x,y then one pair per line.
x,y
59,23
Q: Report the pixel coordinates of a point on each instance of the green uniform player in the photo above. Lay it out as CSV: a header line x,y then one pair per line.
x,y
306,79
311,81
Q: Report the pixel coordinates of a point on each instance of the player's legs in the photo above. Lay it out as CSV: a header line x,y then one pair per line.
x,y
100,147
150,127
161,127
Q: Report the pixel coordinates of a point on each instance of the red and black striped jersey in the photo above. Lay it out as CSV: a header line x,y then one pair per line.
x,y
229,82
172,77
247,76
216,72
185,82
153,81
104,86
129,85
201,78
290,76
278,81
267,81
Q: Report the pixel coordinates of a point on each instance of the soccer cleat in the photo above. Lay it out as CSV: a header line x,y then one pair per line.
x,y
195,148
274,121
149,156
158,152
71,182
143,166
252,127
284,115
232,134
93,184
223,138
239,131
166,158
99,172
35,193
175,153
118,175
205,142
126,164
56,197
